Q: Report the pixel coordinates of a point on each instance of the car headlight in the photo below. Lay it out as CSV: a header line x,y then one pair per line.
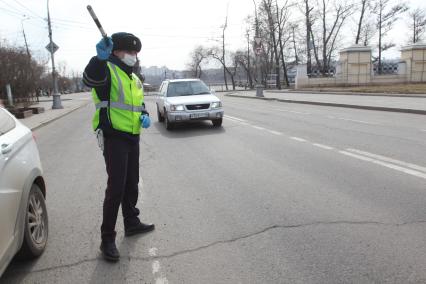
x,y
177,108
216,104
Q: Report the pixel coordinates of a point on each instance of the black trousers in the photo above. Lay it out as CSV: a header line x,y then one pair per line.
x,y
122,165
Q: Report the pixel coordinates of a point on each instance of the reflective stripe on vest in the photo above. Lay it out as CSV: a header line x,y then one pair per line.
x,y
120,104
123,106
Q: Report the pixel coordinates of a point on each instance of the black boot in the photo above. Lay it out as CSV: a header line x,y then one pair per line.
x,y
110,251
139,229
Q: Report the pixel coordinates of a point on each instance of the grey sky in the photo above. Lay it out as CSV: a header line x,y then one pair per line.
x,y
169,30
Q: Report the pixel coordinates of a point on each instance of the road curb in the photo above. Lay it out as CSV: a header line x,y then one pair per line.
x,y
58,117
388,109
420,96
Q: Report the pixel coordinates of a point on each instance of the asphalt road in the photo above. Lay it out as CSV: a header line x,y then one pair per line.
x,y
282,193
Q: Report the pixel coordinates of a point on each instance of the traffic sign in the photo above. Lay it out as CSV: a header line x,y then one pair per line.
x,y
51,46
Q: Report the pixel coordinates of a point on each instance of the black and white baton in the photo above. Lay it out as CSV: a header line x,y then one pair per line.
x,y
96,20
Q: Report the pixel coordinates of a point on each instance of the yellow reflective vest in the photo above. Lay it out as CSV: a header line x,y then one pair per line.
x,y
125,103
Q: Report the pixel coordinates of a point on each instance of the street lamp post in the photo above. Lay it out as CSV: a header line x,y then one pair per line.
x,y
57,104
257,49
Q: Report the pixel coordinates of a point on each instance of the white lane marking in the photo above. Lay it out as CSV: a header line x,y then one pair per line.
x,y
358,121
322,146
352,120
140,188
161,280
275,132
234,118
153,251
387,159
258,127
299,139
155,267
391,166
293,111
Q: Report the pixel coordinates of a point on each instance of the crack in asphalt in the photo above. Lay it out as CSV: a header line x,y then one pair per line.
x,y
242,237
273,227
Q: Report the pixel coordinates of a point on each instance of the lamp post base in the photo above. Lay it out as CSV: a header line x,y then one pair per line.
x,y
57,102
259,91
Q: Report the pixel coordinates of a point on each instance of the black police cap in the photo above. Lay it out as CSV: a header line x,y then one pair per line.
x,y
126,41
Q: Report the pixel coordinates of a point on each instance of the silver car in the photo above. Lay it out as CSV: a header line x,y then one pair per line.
x,y
186,100
23,214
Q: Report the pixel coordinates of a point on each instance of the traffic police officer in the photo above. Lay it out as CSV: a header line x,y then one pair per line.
x,y
118,96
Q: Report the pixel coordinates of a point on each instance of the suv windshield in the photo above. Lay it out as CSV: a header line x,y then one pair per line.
x,y
187,88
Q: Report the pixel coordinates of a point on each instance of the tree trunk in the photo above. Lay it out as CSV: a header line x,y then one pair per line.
x,y
308,38
268,8
324,40
379,67
247,68
223,58
284,65
361,18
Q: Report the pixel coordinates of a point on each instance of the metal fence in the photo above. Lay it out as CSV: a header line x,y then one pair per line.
x,y
386,68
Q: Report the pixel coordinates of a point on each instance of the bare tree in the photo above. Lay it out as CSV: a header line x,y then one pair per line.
x,y
282,16
361,23
385,19
268,8
332,16
223,51
367,32
418,24
217,53
20,71
293,27
308,22
243,59
197,56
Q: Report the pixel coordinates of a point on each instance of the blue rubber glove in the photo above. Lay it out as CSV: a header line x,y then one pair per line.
x,y
104,48
145,121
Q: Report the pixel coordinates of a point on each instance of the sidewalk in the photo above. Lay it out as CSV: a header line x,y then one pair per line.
x,y
70,102
382,103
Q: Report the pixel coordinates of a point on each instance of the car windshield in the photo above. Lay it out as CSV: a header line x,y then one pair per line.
x,y
187,88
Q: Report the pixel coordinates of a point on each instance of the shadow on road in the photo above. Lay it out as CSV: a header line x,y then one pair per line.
x,y
189,129
17,271
120,272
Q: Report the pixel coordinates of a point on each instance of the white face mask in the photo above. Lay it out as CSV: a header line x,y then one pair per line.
x,y
129,60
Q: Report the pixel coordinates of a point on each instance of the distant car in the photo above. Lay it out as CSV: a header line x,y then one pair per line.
x,y
23,214
186,100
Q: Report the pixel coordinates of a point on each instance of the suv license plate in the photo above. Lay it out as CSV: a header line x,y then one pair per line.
x,y
198,115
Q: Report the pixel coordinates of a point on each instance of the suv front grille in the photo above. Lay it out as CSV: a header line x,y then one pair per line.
x,y
198,106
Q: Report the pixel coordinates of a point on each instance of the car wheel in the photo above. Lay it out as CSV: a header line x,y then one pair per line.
x,y
159,116
217,122
36,226
168,124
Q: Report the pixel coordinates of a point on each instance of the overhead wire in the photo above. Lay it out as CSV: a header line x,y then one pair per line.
x,y
31,11
11,13
11,7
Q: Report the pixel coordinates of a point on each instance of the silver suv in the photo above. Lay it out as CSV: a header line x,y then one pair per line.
x,y
186,100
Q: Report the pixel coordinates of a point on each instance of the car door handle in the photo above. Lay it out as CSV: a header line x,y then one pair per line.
x,y
6,148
